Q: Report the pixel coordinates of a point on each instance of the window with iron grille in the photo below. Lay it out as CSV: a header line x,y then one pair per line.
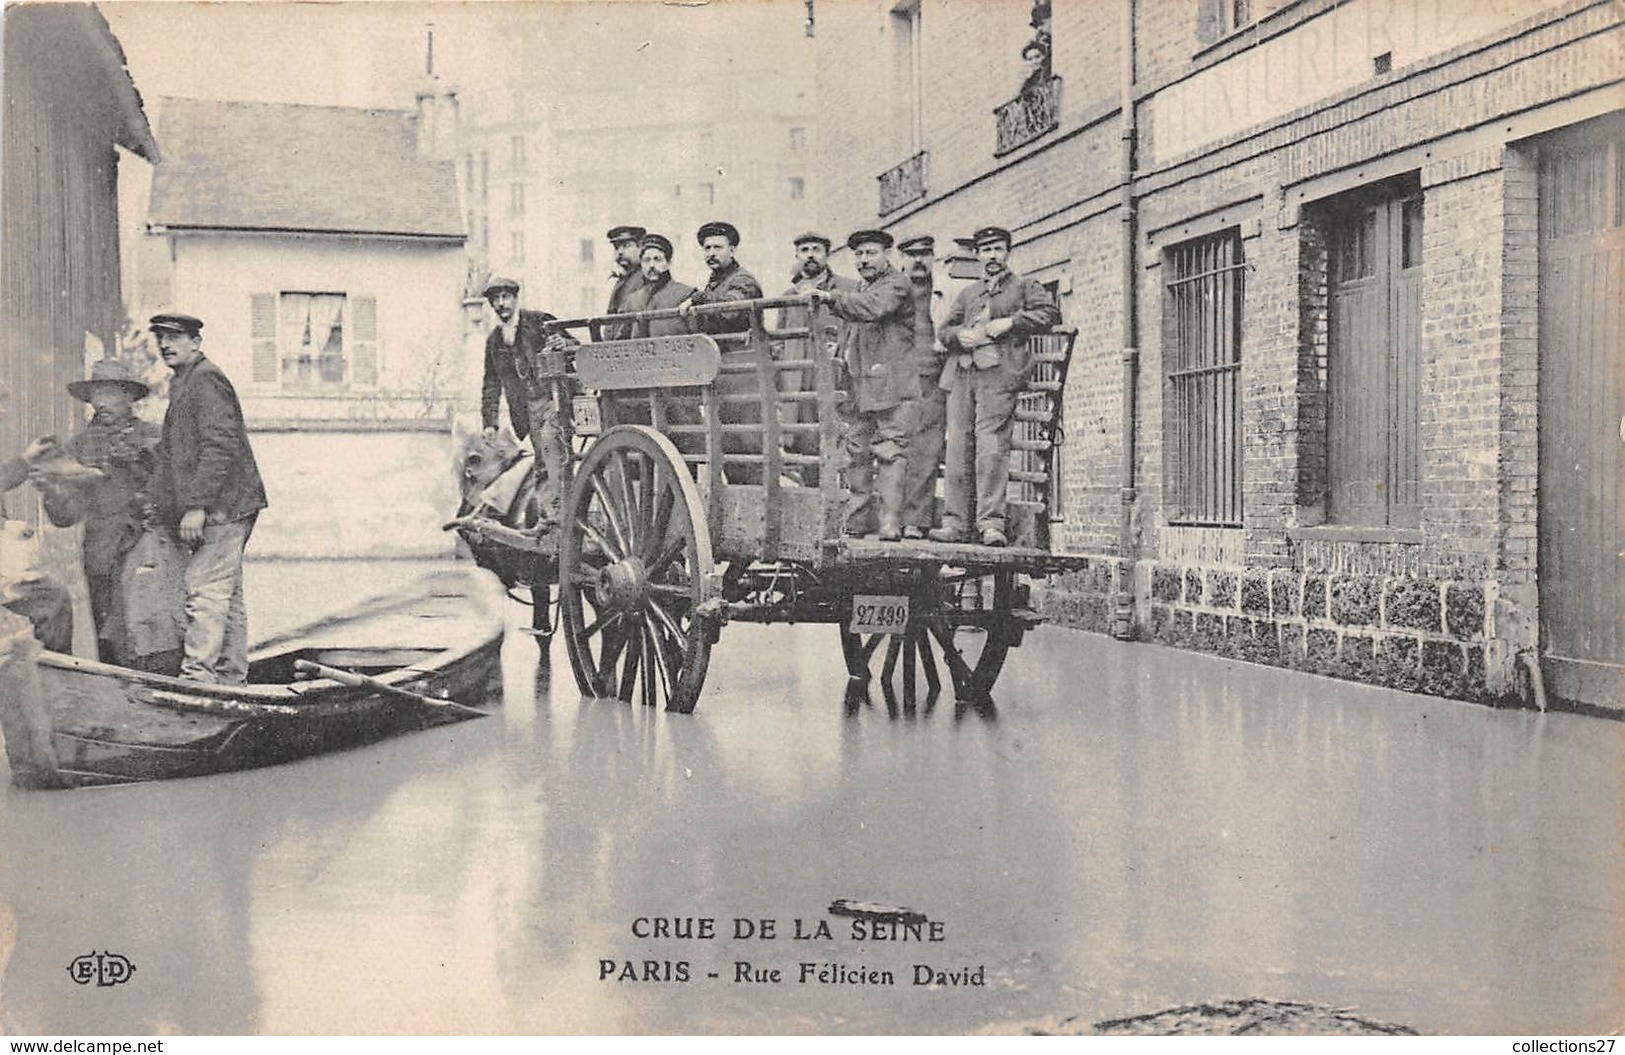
x,y
1201,335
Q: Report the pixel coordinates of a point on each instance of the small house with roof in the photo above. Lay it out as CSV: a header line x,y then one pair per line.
x,y
323,248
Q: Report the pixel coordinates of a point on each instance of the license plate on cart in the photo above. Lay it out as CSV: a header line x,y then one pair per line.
x,y
585,416
879,613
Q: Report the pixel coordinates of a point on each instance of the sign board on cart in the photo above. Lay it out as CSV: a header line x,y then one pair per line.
x,y
649,362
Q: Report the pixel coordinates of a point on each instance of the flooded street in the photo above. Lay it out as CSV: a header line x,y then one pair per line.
x,y
1135,828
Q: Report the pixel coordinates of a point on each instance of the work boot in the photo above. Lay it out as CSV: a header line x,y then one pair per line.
x,y
946,533
913,533
994,537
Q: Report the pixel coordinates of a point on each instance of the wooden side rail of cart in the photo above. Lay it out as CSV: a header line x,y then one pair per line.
x,y
709,490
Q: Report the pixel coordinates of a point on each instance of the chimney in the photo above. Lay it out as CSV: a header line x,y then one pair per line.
x,y
437,116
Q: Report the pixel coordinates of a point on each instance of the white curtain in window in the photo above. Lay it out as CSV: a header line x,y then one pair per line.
x,y
325,311
312,329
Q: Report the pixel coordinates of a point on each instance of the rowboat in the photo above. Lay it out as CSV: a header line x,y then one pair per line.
x,y
415,658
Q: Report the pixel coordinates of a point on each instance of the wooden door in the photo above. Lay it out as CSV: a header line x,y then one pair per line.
x,y
1582,300
1374,364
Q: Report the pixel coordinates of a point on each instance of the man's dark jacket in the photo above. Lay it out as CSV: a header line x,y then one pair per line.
x,y
624,297
878,341
204,460
508,371
126,453
663,292
727,283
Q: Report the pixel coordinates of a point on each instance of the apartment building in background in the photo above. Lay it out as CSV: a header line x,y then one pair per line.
x,y
1346,392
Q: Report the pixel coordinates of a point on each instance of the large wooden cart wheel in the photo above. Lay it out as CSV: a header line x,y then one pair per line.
x,y
634,569
964,624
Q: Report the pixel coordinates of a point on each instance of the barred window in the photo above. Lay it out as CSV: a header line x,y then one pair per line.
x,y
1202,395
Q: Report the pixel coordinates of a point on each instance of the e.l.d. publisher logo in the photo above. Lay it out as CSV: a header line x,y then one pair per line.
x,y
103,968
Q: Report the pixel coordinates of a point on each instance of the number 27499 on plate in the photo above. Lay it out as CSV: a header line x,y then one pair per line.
x,y
879,613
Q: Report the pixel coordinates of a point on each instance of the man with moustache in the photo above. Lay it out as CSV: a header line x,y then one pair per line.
x,y
989,363
515,351
207,485
823,331
626,240
876,345
718,242
926,445
658,289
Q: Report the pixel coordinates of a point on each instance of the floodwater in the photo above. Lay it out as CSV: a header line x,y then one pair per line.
x,y
1135,828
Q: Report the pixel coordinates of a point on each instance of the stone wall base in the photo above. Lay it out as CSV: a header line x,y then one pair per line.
x,y
1433,636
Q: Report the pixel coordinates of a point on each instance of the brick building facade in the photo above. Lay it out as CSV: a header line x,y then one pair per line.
x,y
1373,326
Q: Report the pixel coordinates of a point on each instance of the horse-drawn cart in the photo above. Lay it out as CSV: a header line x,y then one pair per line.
x,y
706,491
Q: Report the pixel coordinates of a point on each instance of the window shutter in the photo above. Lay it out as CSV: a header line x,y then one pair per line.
x,y
262,335
364,360
1209,21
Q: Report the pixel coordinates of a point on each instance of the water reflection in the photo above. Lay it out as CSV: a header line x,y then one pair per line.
x,y
1138,828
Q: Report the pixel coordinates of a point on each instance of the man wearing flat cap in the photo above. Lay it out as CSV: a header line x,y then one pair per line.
x,y
207,486
627,242
877,346
659,290
812,272
516,350
926,445
718,243
989,363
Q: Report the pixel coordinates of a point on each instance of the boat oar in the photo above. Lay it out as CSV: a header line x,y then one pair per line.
x,y
362,681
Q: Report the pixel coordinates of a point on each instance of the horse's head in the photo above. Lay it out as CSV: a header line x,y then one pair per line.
x,y
483,460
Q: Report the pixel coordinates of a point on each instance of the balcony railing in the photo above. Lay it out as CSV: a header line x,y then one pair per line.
x,y
1036,111
902,184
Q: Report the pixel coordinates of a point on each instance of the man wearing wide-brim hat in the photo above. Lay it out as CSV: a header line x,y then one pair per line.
x,y
124,449
206,487
989,363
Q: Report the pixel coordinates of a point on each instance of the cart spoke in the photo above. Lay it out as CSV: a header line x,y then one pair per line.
x,y
615,517
628,504
612,551
673,550
614,642
666,619
957,668
661,521
646,495
928,666
664,652
649,674
603,622
629,672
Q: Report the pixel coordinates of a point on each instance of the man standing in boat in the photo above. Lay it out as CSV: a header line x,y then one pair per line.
x,y
124,449
207,485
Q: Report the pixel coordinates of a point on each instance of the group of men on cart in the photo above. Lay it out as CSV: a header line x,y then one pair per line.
x,y
918,396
